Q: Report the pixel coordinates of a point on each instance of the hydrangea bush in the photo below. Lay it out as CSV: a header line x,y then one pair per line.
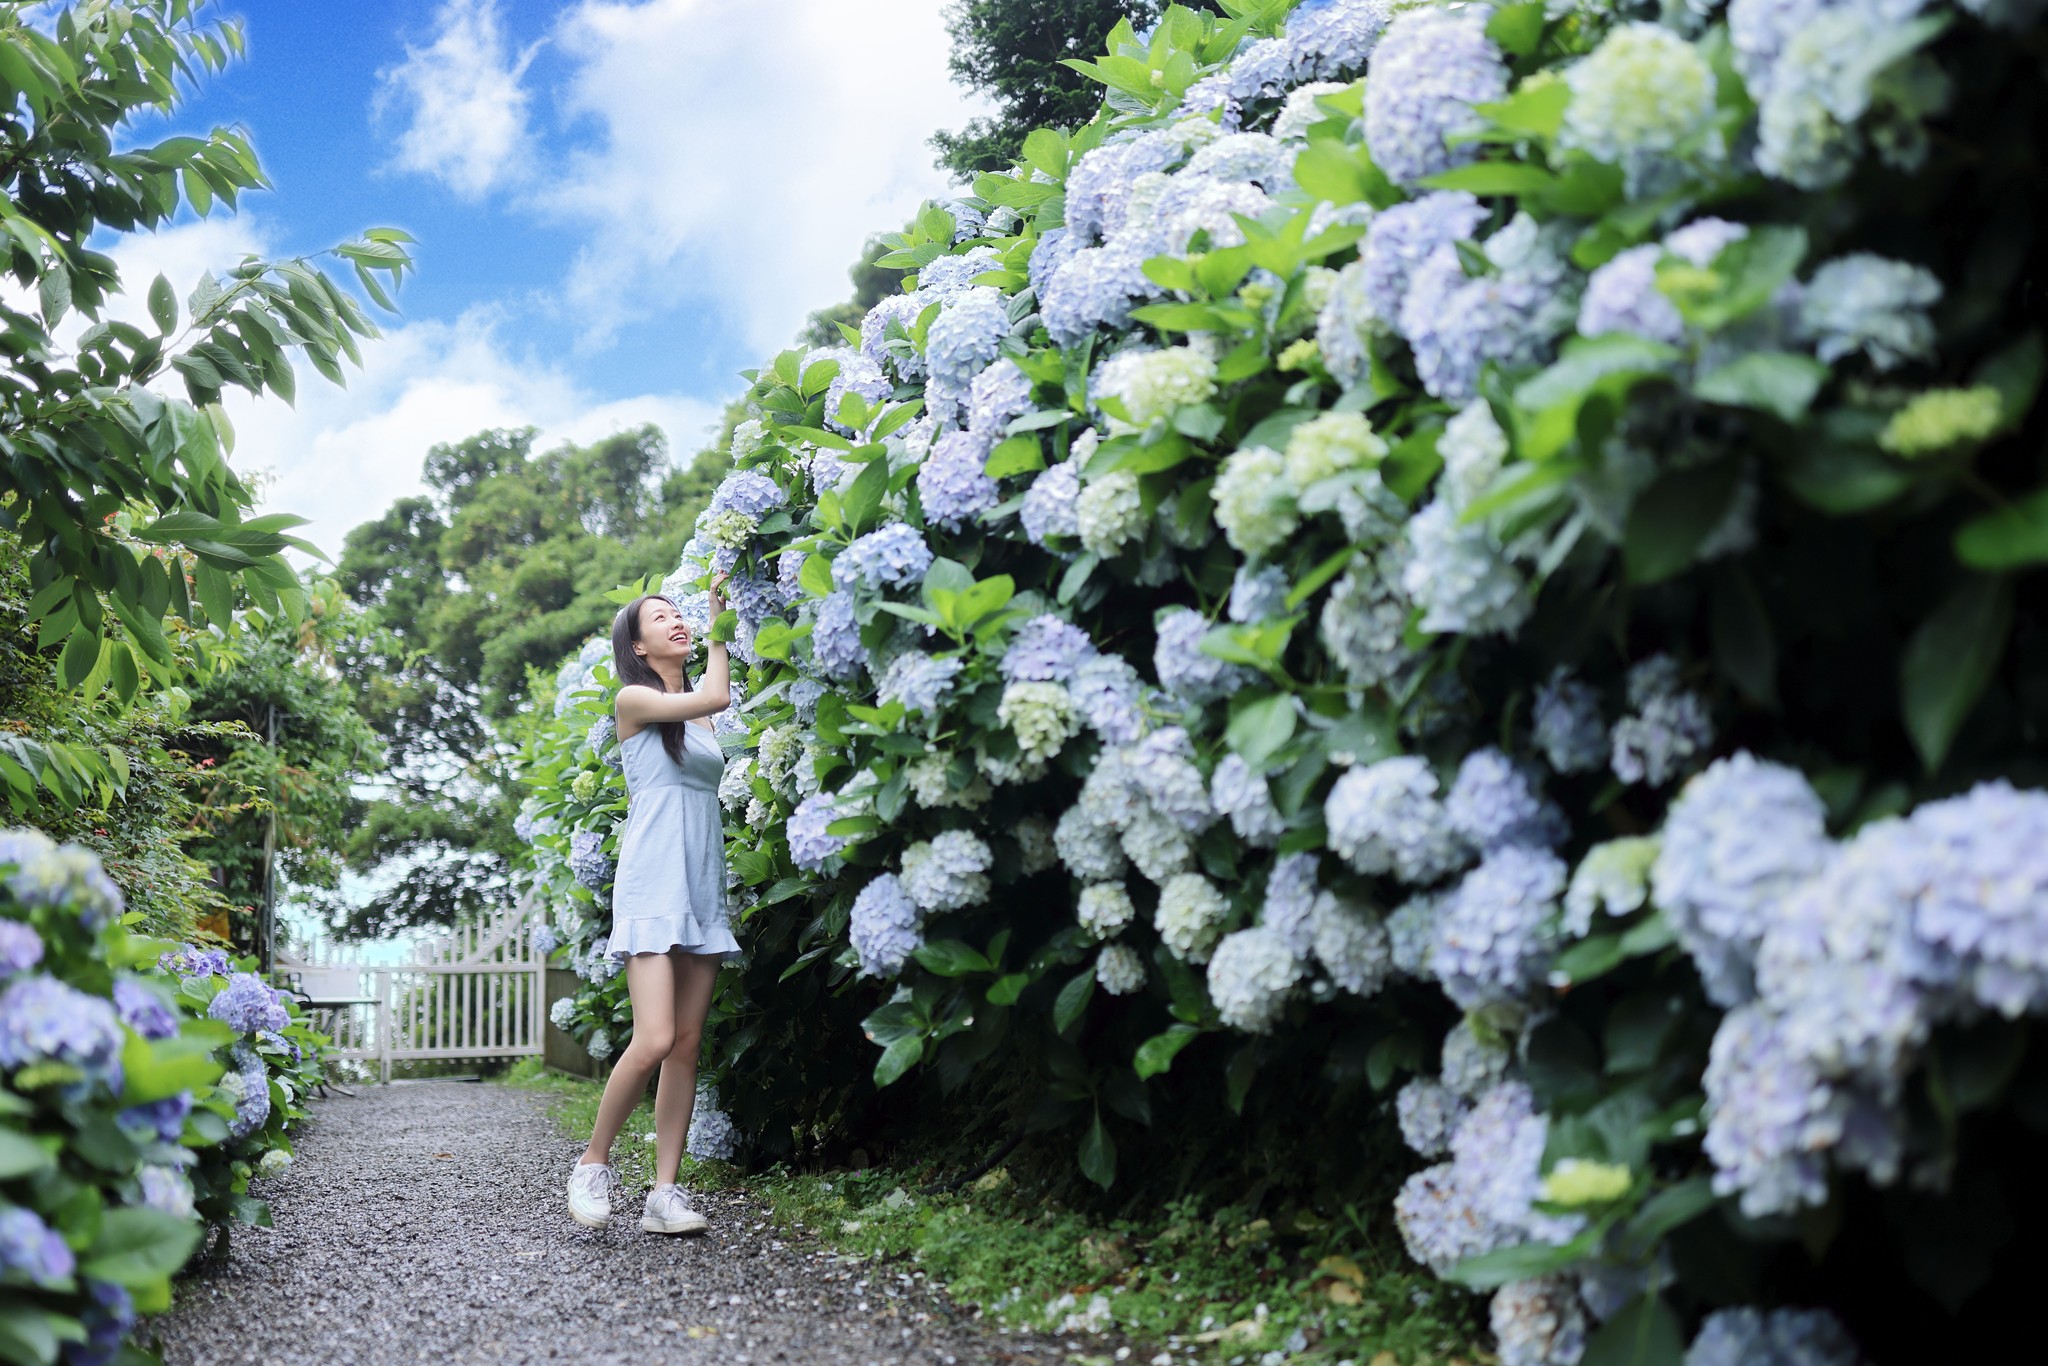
x,y
145,1084
1489,553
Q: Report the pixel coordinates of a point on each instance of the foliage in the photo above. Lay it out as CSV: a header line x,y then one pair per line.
x,y
281,784
1533,557
96,466
1014,56
127,1127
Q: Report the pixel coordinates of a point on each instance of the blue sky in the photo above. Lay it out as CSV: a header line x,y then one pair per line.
x,y
620,203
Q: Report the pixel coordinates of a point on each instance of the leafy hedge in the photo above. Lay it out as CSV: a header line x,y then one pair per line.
x,y
145,1083
1489,555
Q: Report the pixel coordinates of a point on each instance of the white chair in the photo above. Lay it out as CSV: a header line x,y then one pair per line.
x,y
329,989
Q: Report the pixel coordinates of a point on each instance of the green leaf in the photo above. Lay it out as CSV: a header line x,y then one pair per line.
x,y
1609,365
1157,1053
1516,29
1743,278
163,305
20,1155
1949,661
1495,178
1777,382
1535,110
1644,1333
1073,999
1004,991
1098,1154
1260,726
1490,1270
28,1332
1014,455
951,958
81,653
2008,537
137,1246
816,575
1674,516
1744,647
862,499
898,1058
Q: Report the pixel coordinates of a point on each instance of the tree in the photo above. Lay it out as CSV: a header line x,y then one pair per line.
x,y
1011,53
95,467
872,283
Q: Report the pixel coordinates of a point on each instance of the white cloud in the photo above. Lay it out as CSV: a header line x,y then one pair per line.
x,y
462,101
744,152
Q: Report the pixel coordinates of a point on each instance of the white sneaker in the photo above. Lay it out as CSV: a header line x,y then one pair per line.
x,y
590,1194
668,1211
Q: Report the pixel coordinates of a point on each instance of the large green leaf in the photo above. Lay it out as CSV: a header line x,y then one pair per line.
x,y
1098,1154
1949,661
1674,516
136,1246
2008,537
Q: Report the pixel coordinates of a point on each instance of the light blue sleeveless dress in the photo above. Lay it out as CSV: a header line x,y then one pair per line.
x,y
669,893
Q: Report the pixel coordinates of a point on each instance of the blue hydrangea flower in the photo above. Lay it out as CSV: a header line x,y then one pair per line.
x,y
1668,729
1162,767
1386,818
917,680
950,276
143,1011
835,639
1460,576
1054,249
1510,316
47,874
1428,1113
1107,693
1772,1337
45,1020
885,926
1239,792
1252,973
1739,837
161,1119
713,1137
165,1190
1099,186
1484,1197
1494,803
1984,857
1568,726
999,395
961,341
1411,933
858,374
1184,668
545,940
1497,929
947,872
1870,304
1351,943
1046,649
21,948
190,961
1093,288
811,847
1622,295
898,311
1364,621
1256,593
1289,902
588,860
248,1084
953,486
1405,236
1430,68
892,556
248,1004
749,492
33,1249
1050,506
1538,1322
1771,1117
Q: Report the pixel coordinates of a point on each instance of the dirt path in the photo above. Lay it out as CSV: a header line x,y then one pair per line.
x,y
425,1222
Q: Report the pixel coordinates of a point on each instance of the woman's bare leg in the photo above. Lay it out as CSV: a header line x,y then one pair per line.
x,y
675,1096
651,983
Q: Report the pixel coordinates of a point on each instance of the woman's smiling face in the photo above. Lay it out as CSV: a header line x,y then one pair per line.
x,y
664,635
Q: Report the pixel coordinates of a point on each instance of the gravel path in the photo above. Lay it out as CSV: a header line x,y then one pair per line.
x,y
425,1222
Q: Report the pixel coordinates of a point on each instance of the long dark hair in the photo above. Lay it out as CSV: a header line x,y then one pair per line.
x,y
632,667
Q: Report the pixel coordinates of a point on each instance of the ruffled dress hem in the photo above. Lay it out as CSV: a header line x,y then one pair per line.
x,y
663,933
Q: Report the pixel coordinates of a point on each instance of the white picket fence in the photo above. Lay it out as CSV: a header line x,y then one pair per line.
x,y
476,993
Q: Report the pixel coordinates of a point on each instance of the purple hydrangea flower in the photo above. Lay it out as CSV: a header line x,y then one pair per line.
x,y
1094,288
901,310
1494,803
953,485
1568,727
1106,691
1622,295
1257,592
1510,316
1239,792
1050,506
49,874
1773,1337
1162,766
892,556
998,395
1046,649
32,1248
248,1004
747,491
1184,668
1497,929
21,948
835,639
1985,861
858,374
45,1020
588,860
143,1011
811,847
886,927
1054,249
601,736
1405,236
949,276
188,960
248,1082
1429,70
164,1118
545,940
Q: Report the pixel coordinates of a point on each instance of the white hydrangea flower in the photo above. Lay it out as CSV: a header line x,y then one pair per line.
x,y
1251,975
1190,916
1041,716
1157,845
1104,908
1110,513
1119,969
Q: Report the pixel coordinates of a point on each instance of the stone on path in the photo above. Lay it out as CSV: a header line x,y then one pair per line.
x,y
425,1222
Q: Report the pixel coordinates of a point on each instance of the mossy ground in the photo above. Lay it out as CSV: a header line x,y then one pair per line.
x,y
1203,1284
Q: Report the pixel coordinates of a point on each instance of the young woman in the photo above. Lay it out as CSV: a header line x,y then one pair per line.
x,y
668,903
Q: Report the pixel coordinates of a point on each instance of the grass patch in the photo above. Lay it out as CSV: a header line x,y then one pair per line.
x,y
1210,1285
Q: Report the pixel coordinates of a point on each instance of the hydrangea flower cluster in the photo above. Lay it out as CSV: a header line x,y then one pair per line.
x,y
588,860
44,873
948,871
892,556
249,1005
713,1137
45,1020
886,926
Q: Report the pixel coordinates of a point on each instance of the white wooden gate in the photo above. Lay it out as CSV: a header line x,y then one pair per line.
x,y
476,993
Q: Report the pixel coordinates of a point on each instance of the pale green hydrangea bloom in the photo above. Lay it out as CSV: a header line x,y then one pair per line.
x,y
1104,908
1613,877
1331,444
1150,385
1190,916
1645,95
1255,500
1042,717
1942,419
730,528
1110,512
